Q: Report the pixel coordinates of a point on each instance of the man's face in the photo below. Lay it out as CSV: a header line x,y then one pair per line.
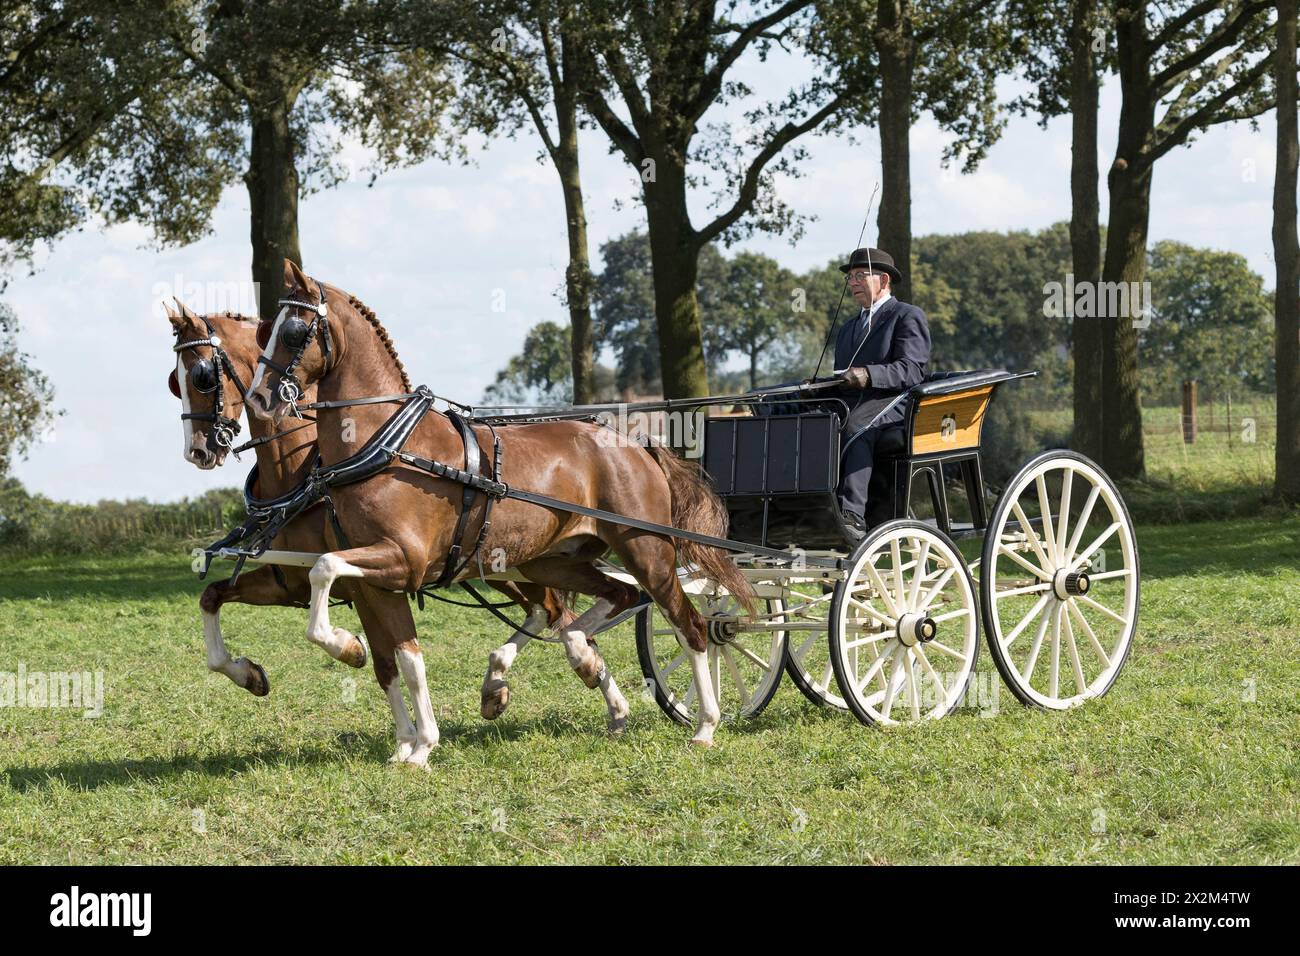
x,y
867,286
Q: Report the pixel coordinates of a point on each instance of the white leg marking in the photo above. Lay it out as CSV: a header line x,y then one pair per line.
x,y
218,657
579,653
405,730
411,663
710,715
327,569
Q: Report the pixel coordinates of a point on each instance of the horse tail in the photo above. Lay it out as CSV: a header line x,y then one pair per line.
x,y
696,508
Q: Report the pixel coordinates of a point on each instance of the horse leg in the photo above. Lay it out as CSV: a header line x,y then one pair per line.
x,y
255,587
653,562
382,565
612,598
387,617
544,609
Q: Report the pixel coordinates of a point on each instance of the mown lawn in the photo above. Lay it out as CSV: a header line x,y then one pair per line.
x,y
1193,758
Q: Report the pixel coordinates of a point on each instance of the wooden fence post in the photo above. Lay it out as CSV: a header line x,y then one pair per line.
x,y
1189,411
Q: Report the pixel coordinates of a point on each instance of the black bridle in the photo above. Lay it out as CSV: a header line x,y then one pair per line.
x,y
297,335
205,377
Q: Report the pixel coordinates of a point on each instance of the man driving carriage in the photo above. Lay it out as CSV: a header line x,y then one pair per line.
x,y
881,352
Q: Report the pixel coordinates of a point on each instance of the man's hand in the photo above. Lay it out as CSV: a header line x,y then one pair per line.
x,y
856,377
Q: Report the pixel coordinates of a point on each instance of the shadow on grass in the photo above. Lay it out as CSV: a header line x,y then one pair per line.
x,y
133,582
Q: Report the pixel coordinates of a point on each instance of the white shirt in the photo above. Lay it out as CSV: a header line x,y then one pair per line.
x,y
867,314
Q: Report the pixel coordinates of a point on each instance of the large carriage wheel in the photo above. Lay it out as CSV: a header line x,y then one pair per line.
x,y
808,660
745,656
904,626
1059,582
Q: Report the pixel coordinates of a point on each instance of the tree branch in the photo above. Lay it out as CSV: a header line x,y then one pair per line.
x,y
1220,37
1207,115
711,84
749,186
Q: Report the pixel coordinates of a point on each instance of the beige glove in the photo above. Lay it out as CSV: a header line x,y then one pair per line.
x,y
857,377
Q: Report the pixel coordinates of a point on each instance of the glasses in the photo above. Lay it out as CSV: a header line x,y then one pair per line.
x,y
861,276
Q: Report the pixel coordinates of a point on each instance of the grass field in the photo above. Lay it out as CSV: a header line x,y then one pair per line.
x,y
1194,757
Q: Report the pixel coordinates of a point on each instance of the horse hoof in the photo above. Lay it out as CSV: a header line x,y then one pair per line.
x,y
259,685
358,653
701,742
617,725
403,752
496,698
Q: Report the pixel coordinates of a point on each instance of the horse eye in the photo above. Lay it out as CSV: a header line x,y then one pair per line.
x,y
294,333
204,376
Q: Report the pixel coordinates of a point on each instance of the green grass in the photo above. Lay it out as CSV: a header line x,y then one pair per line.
x,y
1177,765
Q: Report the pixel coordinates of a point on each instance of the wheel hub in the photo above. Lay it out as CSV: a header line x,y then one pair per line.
x,y
1068,584
724,628
916,629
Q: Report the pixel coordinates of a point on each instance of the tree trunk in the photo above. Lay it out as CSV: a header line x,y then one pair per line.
x,y
675,261
896,51
272,182
1085,229
577,276
1129,182
1286,254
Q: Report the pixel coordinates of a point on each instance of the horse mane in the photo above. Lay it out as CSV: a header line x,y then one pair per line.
x,y
382,333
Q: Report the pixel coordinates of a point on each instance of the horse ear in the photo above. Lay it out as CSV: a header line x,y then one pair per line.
x,y
293,276
186,312
174,318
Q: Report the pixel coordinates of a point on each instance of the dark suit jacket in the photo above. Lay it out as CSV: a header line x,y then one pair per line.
x,y
895,353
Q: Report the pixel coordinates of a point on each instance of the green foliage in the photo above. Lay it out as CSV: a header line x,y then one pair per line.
x,y
34,524
1212,321
26,396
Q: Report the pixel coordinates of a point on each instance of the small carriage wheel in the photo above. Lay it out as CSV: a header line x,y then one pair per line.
x,y
904,632
1059,582
746,657
807,660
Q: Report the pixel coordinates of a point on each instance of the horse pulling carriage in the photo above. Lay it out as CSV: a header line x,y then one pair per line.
x,y
893,619
887,626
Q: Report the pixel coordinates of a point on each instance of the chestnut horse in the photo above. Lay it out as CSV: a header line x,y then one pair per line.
x,y
400,522
283,461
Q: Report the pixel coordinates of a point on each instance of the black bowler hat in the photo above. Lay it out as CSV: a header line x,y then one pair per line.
x,y
877,260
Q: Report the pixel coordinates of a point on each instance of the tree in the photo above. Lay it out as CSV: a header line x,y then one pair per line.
x,y
518,60
158,105
1210,322
1286,256
539,374
26,397
912,57
753,313
1058,43
666,65
1205,62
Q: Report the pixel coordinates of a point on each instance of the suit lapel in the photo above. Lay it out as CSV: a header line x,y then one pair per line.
x,y
876,322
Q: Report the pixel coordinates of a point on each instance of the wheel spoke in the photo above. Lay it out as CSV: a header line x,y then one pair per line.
x,y
938,587
1073,648
1096,543
883,591
877,664
876,615
895,685
1028,672
827,674
1103,575
1054,682
898,572
918,575
911,686
869,639
803,648
1103,609
929,669
1067,482
1046,512
1037,572
750,655
1084,515
960,612
1030,589
1092,637
938,646
1030,534
1033,613
676,662
735,677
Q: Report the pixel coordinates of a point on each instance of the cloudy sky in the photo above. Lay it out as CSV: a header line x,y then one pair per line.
x,y
426,247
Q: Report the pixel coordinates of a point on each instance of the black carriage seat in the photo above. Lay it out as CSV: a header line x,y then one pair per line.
x,y
943,420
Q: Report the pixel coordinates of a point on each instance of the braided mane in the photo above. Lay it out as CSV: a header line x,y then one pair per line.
x,y
380,331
